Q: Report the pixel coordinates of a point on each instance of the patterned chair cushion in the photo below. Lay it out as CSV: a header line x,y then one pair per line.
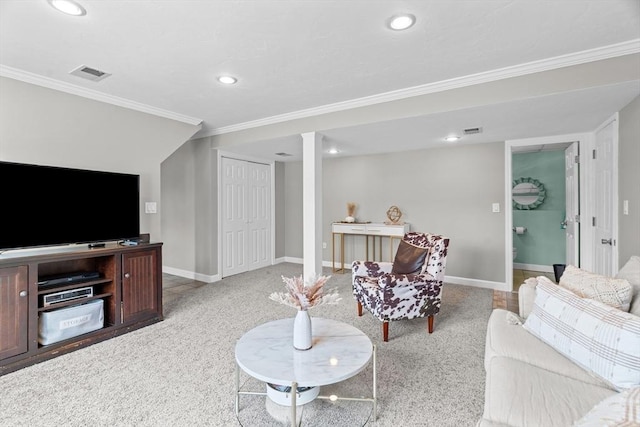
x,y
601,339
409,259
608,290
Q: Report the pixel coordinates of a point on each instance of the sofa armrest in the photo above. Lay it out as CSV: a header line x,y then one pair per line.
x,y
526,296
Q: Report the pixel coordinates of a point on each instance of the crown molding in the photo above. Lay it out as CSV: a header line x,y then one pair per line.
x,y
27,77
577,58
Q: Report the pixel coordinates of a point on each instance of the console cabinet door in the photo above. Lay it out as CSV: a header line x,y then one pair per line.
x,y
141,285
14,311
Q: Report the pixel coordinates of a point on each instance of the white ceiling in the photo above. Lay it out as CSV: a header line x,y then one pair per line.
x,y
301,55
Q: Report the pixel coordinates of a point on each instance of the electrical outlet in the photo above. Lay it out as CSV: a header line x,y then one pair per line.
x,y
324,245
495,208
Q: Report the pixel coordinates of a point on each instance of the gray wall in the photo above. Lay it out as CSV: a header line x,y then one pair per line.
x,y
190,216
629,180
45,126
49,127
446,191
280,209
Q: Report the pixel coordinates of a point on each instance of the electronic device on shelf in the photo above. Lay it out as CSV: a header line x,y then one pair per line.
x,y
67,278
68,295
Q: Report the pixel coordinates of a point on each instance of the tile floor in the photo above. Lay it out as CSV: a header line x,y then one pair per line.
x,y
509,300
173,287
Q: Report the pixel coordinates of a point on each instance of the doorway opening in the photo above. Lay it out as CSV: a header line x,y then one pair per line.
x,y
542,226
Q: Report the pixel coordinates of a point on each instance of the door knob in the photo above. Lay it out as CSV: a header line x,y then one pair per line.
x,y
605,241
23,293
127,275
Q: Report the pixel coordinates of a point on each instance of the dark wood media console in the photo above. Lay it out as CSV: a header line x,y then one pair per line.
x,y
130,285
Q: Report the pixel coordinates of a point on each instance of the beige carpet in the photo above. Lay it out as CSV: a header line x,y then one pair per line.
x,y
180,372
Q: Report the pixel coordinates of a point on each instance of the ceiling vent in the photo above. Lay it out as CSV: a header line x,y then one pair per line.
x,y
472,131
89,73
284,154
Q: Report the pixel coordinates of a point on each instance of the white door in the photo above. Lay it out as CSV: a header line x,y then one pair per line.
x,y
234,216
572,194
259,216
604,204
246,216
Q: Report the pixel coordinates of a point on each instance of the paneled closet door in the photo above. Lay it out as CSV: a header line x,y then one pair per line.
x,y
246,216
259,206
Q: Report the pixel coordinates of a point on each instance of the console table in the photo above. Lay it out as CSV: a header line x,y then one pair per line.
x,y
369,229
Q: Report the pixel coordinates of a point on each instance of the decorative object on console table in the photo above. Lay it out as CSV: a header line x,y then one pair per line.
x,y
394,214
303,296
351,210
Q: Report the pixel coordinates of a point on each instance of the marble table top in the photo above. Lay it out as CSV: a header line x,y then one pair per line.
x,y
339,351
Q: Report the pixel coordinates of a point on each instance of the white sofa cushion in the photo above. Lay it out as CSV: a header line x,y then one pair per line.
x,y
598,337
622,409
526,296
523,395
608,290
630,271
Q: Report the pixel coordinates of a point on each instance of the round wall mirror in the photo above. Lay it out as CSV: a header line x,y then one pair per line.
x,y
527,193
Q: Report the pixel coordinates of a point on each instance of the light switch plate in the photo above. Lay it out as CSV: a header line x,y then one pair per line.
x,y
495,207
150,207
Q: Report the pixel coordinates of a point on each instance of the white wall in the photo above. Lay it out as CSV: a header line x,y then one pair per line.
x,y
48,127
446,191
629,181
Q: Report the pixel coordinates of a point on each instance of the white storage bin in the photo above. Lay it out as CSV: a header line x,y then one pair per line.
x,y
58,325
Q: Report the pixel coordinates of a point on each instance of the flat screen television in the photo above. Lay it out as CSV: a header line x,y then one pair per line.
x,y
50,206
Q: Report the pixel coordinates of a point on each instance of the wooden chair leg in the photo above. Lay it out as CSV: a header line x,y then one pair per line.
x,y
430,323
385,331
359,308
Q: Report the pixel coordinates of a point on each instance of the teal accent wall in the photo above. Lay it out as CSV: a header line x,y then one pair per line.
x,y
544,243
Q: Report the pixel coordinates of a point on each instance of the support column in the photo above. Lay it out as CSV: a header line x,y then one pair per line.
x,y
312,203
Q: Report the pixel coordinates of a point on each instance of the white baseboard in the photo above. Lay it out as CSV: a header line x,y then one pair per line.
x,y
498,286
477,283
191,275
533,267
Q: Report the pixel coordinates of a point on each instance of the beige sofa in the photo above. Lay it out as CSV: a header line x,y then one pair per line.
x,y
529,383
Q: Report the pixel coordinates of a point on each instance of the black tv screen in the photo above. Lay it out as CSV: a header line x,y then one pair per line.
x,y
48,206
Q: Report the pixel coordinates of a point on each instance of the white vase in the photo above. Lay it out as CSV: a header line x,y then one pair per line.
x,y
302,330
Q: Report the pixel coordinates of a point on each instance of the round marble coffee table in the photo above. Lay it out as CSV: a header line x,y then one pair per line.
x,y
339,352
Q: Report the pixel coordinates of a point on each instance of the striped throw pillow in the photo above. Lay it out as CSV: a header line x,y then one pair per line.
x,y
597,337
619,410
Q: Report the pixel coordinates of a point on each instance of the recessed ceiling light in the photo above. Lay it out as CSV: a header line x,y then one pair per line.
x,y
402,22
333,151
452,138
69,7
227,80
